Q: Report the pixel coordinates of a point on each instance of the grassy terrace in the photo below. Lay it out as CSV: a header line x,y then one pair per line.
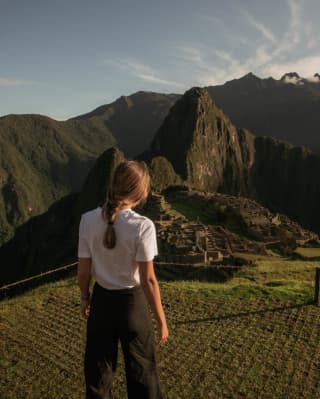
x,y
256,335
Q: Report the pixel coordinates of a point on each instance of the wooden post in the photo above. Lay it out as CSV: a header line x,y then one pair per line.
x,y
316,286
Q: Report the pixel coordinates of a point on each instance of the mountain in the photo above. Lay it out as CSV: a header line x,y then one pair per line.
x,y
287,109
197,147
209,153
236,224
49,240
133,120
202,145
42,160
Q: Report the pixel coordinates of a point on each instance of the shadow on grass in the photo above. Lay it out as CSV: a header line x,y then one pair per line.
x,y
244,314
182,272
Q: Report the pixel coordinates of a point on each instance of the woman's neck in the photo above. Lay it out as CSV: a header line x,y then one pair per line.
x,y
127,206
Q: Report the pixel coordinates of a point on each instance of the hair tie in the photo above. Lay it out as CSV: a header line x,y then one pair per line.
x,y
110,223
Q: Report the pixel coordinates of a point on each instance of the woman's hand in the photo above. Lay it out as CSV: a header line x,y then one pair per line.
x,y
85,308
151,289
84,277
163,333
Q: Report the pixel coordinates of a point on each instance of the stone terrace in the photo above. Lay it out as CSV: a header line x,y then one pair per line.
x,y
184,241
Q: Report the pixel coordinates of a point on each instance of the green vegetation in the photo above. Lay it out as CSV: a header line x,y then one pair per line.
x,y
269,278
194,209
256,335
42,160
54,233
308,252
209,211
162,174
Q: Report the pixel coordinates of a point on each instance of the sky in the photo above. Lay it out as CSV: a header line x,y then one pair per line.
x,y
63,58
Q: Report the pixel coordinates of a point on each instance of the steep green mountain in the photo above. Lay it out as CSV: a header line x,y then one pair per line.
x,y
209,153
42,160
49,240
287,109
202,145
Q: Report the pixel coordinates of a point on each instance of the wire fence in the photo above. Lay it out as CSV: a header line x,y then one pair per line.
x,y
166,269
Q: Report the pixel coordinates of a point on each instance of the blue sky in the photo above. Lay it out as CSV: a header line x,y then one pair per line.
x,y
64,58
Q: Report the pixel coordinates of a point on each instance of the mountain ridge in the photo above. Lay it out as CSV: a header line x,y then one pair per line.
x,y
215,156
266,107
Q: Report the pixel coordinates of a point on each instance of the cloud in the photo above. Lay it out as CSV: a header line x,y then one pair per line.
x,y
224,29
271,55
232,67
293,80
266,33
141,71
295,22
314,79
189,53
306,66
4,82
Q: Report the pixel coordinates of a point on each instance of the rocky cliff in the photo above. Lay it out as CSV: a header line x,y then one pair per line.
x,y
203,145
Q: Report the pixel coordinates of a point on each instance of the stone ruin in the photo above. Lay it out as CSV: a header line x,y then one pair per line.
x,y
192,242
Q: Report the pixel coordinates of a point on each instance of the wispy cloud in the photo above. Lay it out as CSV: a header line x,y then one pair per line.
x,y
266,32
141,71
271,54
224,29
306,67
295,11
4,82
189,53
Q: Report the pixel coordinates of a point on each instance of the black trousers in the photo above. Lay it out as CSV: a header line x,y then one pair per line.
x,y
120,315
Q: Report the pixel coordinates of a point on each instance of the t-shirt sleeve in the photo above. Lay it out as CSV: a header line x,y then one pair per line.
x,y
147,247
83,246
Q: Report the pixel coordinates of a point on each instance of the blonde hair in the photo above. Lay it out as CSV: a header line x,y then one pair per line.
x,y
130,185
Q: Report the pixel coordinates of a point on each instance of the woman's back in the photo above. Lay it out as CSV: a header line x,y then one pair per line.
x,y
116,248
117,268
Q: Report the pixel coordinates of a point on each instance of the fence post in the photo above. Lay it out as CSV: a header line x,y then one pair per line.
x,y
316,286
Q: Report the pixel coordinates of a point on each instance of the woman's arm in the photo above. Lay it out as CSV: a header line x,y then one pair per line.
x,y
151,289
84,277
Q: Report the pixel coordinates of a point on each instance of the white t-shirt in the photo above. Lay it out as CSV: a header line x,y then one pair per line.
x,y
136,240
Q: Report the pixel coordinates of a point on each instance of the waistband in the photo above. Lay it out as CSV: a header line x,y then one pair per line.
x,y
121,291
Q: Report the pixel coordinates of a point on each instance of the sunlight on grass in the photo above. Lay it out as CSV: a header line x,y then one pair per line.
x,y
308,252
240,331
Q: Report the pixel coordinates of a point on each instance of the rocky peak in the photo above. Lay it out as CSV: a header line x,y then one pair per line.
x,y
249,82
250,76
201,143
316,77
290,75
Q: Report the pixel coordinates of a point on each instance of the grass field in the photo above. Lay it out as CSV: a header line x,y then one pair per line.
x,y
309,252
255,336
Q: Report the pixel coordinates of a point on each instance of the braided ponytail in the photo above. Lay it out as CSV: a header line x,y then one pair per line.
x,y
130,186
109,212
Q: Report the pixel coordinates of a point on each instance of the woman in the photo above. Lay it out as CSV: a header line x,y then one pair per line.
x,y
116,247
